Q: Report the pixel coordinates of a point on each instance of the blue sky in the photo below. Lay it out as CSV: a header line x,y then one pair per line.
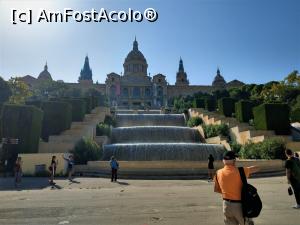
x,y
254,41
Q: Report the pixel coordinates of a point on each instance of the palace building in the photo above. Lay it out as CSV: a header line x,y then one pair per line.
x,y
135,88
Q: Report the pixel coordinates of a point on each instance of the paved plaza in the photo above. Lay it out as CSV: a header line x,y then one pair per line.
x,y
133,202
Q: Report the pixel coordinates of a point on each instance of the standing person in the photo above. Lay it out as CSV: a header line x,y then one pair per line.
x,y
114,168
52,169
297,156
211,168
18,171
71,164
292,166
228,182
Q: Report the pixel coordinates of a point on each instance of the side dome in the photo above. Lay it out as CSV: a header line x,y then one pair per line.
x,y
135,62
45,75
219,80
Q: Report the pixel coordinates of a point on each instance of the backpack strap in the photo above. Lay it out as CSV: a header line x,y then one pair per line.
x,y
243,176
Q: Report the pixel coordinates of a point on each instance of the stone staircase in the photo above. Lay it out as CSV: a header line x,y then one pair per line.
x,y
67,139
242,133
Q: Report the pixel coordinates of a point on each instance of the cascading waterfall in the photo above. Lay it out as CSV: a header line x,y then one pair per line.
x,y
152,137
154,134
129,120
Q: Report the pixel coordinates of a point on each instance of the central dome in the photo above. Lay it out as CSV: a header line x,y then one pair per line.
x,y
135,62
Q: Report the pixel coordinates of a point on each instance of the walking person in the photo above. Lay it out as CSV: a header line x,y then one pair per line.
x,y
211,168
228,182
52,169
71,164
18,171
114,168
292,166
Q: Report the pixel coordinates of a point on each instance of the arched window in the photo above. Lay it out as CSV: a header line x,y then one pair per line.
x,y
125,92
147,92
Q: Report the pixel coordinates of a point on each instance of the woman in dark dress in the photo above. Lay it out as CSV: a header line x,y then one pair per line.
x,y
211,168
52,169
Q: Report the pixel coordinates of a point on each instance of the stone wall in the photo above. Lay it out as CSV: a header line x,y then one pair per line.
x,y
30,161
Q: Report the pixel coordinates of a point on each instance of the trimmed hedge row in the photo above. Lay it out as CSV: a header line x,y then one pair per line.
x,y
78,108
243,110
57,118
272,116
199,103
88,103
36,103
226,106
24,123
210,104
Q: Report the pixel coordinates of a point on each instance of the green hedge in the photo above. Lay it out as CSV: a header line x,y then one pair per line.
x,y
24,123
295,115
194,122
95,101
89,106
226,106
198,103
57,118
109,120
36,103
215,130
268,149
272,116
78,108
210,104
243,110
103,129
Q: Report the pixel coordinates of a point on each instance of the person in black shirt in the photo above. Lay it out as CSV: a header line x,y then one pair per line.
x,y
292,166
211,168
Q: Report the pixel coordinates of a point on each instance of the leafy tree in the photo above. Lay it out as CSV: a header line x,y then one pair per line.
x,y
73,92
238,93
47,89
220,94
293,79
5,91
20,91
86,150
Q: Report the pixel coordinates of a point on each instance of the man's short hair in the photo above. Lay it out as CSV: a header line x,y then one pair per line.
x,y
289,152
229,155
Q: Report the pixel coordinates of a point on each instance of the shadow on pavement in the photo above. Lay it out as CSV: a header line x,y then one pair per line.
x,y
122,183
74,181
27,183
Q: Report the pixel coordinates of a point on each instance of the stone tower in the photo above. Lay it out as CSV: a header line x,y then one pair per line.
x,y
86,72
181,77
